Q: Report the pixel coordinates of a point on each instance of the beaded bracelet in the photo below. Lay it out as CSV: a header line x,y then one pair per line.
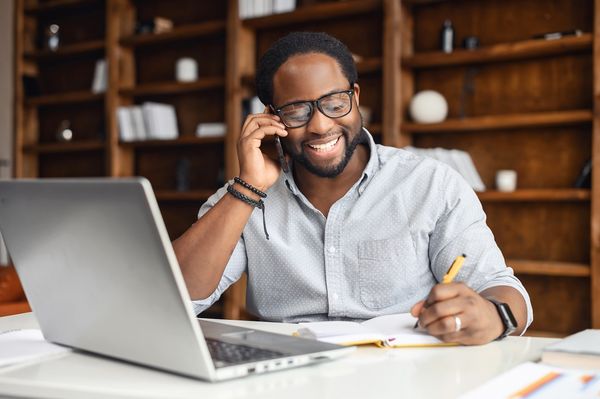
x,y
257,204
250,187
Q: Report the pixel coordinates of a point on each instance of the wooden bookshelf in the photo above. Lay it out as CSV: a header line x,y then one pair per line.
x,y
168,88
542,268
536,195
96,46
57,148
182,141
58,6
514,103
197,195
177,34
521,50
312,13
509,112
497,122
65,98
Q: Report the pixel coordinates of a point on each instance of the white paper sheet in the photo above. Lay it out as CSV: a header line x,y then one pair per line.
x,y
26,345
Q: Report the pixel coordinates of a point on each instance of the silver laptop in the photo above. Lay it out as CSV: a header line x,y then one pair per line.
x,y
101,275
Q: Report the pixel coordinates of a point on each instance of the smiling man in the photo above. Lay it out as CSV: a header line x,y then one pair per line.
x,y
351,229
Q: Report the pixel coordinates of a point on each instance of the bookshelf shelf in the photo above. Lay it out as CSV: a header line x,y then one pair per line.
x,y
58,5
164,88
74,146
314,13
180,142
548,268
536,195
91,47
65,98
195,195
526,49
178,33
508,121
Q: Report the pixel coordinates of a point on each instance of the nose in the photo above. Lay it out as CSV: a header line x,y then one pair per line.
x,y
319,123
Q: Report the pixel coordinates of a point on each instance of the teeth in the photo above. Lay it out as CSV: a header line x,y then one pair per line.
x,y
324,147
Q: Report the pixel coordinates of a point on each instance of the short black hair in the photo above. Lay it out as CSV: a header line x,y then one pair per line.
x,y
300,43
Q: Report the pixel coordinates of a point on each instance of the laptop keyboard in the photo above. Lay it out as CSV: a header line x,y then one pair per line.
x,y
227,353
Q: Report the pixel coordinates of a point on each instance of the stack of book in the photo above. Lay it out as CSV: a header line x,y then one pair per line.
x,y
149,121
211,129
459,160
260,8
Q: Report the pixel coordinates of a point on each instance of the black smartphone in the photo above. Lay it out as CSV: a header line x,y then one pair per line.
x,y
281,155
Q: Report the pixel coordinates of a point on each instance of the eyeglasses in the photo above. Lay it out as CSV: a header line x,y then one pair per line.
x,y
332,105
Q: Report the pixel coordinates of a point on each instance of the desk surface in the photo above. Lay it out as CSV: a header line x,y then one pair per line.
x,y
368,372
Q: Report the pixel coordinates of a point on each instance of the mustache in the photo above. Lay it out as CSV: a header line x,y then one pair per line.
x,y
335,132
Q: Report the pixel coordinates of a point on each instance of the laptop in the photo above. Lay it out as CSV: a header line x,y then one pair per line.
x,y
100,274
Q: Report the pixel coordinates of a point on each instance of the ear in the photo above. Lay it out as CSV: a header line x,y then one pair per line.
x,y
357,93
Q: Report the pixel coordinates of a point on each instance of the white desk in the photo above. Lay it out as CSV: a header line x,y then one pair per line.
x,y
369,372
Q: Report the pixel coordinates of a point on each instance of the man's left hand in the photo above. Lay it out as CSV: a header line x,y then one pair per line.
x,y
453,312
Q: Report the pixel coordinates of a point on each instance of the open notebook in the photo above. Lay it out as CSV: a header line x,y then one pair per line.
x,y
394,331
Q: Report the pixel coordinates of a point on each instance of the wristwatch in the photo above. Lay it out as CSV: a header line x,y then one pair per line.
x,y
507,317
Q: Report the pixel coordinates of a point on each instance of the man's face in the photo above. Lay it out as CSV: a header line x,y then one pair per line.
x,y
325,145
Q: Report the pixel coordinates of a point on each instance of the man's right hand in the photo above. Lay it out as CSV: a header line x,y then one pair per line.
x,y
256,168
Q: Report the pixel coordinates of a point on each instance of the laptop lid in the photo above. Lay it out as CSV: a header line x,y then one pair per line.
x,y
92,250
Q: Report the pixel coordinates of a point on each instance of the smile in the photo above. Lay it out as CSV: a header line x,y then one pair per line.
x,y
325,146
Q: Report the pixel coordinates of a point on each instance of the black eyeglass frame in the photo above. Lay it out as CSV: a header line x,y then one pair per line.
x,y
312,104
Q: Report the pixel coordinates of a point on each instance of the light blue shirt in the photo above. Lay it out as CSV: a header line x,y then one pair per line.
x,y
381,249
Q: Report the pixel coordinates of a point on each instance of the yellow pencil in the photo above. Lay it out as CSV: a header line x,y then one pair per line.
x,y
454,269
451,273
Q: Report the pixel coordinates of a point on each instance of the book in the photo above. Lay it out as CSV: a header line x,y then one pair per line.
x,y
100,77
214,129
394,331
581,350
459,160
126,129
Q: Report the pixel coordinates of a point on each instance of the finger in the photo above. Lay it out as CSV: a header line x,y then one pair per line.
x,y
265,117
417,308
442,292
442,309
447,325
264,124
259,134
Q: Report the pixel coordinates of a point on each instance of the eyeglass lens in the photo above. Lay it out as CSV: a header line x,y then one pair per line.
x,y
334,105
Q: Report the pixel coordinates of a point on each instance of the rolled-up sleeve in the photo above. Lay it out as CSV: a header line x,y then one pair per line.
x,y
235,267
461,229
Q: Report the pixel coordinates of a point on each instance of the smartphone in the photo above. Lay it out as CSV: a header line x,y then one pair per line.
x,y
281,156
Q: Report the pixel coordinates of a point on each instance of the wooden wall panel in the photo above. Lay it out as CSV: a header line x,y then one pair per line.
x,y
561,304
499,21
557,83
159,165
543,157
157,63
87,121
541,231
82,164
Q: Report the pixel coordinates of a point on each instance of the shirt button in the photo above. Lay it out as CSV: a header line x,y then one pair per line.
x,y
331,249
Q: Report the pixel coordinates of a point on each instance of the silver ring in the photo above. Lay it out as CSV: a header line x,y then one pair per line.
x,y
458,323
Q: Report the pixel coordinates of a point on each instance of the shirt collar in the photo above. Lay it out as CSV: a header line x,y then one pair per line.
x,y
368,173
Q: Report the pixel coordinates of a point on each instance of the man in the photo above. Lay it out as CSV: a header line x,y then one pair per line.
x,y
352,230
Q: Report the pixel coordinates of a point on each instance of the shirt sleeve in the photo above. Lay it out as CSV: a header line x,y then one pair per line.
x,y
235,267
462,229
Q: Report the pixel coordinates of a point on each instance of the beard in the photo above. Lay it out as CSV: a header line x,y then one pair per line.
x,y
359,136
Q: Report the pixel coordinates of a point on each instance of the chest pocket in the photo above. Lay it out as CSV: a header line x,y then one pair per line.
x,y
385,270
